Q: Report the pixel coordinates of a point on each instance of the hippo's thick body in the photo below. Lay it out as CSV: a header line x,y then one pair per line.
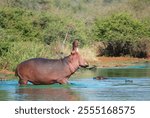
x,y
49,71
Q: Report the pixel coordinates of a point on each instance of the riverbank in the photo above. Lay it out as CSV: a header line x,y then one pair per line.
x,y
102,62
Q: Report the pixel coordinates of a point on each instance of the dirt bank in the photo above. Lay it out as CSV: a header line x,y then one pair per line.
x,y
6,72
5,75
118,61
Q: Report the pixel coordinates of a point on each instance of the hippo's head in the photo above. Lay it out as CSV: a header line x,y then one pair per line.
x,y
76,57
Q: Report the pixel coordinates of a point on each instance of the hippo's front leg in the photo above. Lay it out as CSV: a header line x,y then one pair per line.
x,y
63,81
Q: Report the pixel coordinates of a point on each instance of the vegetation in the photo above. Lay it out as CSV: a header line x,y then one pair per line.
x,y
46,28
123,35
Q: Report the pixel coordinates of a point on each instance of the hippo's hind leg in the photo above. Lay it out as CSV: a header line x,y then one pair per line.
x,y
22,78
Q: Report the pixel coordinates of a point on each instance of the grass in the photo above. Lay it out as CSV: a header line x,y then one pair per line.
x,y
20,51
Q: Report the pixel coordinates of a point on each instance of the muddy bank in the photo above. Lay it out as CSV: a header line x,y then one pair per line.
x,y
118,61
6,74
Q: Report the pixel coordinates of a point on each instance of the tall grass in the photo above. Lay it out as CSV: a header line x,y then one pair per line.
x,y
20,51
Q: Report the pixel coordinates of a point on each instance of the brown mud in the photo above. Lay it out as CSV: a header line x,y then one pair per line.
x,y
119,61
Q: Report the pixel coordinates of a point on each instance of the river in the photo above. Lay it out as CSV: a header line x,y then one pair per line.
x,y
122,84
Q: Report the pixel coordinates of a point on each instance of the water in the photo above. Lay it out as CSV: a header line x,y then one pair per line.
x,y
125,83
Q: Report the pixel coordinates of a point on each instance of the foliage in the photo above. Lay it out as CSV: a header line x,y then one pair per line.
x,y
17,25
23,25
120,32
34,28
15,52
28,27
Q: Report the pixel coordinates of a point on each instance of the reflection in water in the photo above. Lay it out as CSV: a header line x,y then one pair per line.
x,y
126,83
48,94
115,89
4,95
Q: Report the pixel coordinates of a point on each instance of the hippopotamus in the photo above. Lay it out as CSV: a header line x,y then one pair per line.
x,y
99,78
49,71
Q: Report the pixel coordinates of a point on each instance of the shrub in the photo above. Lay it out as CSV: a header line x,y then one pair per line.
x,y
17,25
23,25
120,32
20,51
141,48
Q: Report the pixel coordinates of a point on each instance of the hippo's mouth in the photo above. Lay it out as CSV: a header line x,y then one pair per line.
x,y
84,66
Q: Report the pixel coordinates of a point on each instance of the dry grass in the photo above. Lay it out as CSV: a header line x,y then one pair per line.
x,y
89,54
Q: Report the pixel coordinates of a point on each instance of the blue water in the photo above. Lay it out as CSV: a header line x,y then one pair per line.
x,y
126,83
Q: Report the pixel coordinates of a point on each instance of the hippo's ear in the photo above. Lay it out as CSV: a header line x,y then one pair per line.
x,y
75,46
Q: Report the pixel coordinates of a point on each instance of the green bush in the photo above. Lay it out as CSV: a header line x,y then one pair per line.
x,y
17,52
59,27
120,32
18,24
